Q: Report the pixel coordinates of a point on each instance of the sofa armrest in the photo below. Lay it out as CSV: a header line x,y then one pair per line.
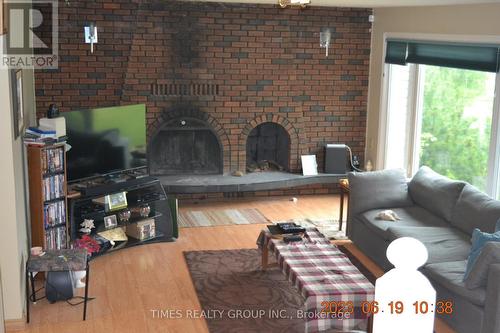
x,y
491,319
377,189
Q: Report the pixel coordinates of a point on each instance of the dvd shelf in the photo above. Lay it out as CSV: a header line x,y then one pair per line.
x,y
55,238
54,214
53,160
48,202
53,187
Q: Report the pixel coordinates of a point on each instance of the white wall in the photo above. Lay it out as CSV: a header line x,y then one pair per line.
x,y
458,20
13,198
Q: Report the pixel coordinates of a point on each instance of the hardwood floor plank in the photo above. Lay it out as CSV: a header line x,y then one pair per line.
x,y
128,284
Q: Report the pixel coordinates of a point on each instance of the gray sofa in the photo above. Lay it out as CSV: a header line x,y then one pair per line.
x,y
442,214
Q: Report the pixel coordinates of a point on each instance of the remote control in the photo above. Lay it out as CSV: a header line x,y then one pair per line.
x,y
292,238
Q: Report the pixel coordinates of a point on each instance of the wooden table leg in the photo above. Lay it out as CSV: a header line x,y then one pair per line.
x,y
369,328
341,215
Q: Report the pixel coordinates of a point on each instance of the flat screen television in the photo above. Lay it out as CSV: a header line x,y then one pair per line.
x,y
105,140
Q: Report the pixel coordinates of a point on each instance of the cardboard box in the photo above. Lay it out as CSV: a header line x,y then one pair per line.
x,y
54,124
142,230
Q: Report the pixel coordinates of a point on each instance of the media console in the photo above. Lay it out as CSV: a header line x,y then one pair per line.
x,y
146,202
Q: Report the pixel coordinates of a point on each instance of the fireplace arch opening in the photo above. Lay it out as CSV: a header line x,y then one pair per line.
x,y
268,148
186,146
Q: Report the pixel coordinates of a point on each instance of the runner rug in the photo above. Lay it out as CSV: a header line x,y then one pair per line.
x,y
216,217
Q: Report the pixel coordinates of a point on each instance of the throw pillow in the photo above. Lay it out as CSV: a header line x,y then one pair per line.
x,y
479,240
434,192
475,209
378,190
477,277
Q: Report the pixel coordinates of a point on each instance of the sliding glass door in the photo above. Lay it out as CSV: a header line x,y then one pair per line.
x,y
443,118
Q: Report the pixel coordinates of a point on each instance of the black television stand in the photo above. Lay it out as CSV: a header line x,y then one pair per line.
x,y
111,182
140,192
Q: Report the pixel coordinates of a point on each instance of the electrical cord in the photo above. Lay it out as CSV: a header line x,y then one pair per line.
x,y
351,161
79,297
32,297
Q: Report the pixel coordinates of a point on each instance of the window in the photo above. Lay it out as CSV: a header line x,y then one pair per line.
x,y
455,127
443,117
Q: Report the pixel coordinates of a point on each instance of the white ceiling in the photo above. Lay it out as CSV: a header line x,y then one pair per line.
x,y
370,3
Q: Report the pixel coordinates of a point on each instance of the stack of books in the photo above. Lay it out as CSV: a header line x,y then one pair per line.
x,y
38,136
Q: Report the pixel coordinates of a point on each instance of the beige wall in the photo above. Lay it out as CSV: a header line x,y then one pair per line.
x,y
13,211
460,20
2,326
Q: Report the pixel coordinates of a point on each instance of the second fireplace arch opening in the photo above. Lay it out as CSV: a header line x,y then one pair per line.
x,y
268,148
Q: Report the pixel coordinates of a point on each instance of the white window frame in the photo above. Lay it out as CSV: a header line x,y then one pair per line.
x,y
493,177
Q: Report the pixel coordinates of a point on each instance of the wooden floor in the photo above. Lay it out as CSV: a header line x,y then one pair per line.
x,y
129,284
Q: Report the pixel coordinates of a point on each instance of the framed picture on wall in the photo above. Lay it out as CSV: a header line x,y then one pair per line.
x,y
3,17
16,80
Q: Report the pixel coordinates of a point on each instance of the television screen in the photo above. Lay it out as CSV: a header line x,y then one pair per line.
x,y
105,140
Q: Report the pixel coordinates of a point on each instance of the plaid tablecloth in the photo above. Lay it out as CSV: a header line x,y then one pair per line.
x,y
321,273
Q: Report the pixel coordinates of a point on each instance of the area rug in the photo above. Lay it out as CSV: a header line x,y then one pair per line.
x,y
216,217
328,227
240,297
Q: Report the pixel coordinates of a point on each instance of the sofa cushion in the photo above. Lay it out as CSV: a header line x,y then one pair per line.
x,y
474,209
442,243
478,275
434,192
412,216
479,241
378,189
449,275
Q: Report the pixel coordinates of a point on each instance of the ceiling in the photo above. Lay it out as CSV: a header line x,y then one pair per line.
x,y
370,3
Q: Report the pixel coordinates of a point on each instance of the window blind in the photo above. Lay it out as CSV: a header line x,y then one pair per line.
x,y
457,55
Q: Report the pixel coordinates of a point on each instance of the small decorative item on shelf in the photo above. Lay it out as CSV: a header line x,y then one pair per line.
x,y
87,242
369,166
124,215
87,226
53,111
144,210
116,201
110,221
36,251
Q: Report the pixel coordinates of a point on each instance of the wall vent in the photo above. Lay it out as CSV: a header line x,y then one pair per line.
x,y
184,89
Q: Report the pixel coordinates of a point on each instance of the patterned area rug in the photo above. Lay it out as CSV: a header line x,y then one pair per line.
x,y
210,218
231,281
329,228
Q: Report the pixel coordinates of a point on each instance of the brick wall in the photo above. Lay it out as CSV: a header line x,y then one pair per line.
x,y
239,64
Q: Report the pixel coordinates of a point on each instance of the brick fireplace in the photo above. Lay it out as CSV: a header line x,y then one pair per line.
x,y
234,83
185,142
